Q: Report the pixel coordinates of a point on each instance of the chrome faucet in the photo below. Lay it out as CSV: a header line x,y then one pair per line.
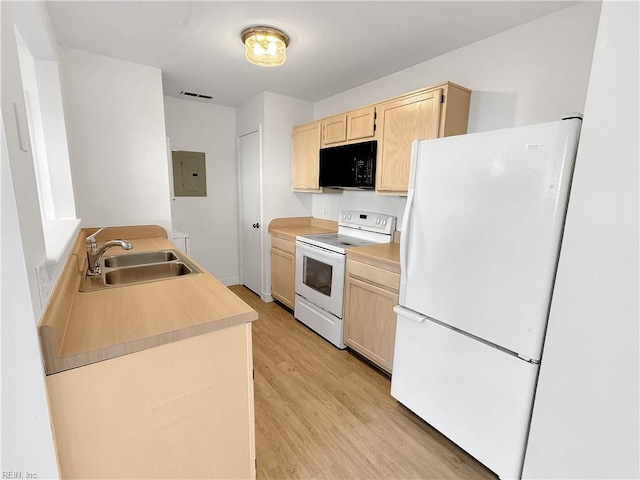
x,y
94,254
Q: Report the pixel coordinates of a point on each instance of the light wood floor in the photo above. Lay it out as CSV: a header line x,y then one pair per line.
x,y
323,413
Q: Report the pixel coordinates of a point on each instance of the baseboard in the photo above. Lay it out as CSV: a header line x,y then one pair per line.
x,y
266,298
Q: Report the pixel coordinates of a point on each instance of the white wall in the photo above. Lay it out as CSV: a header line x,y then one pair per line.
x,y
281,114
529,74
211,221
277,115
585,421
250,115
26,439
117,145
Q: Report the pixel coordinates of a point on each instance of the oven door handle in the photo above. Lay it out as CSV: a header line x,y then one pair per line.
x,y
319,252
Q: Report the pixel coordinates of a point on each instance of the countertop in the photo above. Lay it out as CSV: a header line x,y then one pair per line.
x,y
289,228
116,321
387,254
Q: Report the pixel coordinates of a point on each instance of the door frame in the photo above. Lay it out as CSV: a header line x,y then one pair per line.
x,y
266,297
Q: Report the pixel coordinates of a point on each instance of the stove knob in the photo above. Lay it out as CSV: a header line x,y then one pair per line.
x,y
348,216
377,220
344,216
384,223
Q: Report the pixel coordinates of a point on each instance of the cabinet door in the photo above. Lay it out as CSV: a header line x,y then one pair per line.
x,y
283,277
181,410
334,130
306,156
370,322
401,121
361,123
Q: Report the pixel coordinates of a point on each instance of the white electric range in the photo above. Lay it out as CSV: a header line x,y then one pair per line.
x,y
320,269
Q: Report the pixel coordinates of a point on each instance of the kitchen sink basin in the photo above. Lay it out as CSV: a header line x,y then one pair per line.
x,y
145,273
139,258
144,267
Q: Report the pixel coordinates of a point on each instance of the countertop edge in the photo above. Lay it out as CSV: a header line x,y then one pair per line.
x,y
107,353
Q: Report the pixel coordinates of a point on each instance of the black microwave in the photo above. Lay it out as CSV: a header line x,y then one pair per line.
x,y
349,166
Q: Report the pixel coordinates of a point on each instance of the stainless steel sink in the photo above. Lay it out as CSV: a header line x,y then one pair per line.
x,y
145,273
122,270
139,258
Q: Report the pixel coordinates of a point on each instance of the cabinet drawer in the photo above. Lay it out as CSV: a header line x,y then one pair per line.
x,y
284,245
375,275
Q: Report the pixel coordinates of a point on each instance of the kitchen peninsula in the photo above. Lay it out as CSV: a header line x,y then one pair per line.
x,y
149,379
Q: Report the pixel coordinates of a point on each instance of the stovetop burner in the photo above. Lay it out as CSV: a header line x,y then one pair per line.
x,y
334,241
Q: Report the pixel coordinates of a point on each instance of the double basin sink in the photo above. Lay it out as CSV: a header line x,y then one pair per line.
x,y
133,268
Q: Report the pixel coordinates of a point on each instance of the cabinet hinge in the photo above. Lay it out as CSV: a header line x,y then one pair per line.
x,y
256,463
375,126
253,373
442,98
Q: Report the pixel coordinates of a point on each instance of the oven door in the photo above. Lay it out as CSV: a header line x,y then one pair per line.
x,y
320,277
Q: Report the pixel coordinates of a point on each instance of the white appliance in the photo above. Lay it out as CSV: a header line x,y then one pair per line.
x,y
320,269
480,242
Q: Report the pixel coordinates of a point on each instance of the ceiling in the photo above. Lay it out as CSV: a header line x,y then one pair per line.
x,y
334,46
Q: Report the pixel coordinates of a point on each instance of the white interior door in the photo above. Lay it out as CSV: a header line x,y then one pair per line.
x,y
250,212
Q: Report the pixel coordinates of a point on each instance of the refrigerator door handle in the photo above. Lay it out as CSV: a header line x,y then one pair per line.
x,y
410,314
404,238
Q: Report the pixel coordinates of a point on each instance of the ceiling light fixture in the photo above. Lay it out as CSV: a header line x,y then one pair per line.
x,y
265,46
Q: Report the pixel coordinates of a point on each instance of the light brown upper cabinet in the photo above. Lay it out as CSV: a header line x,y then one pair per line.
x,y
402,121
306,152
361,123
334,130
421,115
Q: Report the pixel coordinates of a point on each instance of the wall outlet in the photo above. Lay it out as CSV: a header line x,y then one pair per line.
x,y
44,273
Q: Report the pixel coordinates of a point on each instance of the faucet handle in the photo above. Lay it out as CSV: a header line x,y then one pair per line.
x,y
91,239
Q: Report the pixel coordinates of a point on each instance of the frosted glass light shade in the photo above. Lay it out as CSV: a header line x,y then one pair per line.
x,y
265,46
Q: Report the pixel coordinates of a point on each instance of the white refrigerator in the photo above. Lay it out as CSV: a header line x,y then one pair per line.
x,y
479,247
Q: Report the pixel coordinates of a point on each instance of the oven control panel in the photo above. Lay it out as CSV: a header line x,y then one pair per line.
x,y
368,221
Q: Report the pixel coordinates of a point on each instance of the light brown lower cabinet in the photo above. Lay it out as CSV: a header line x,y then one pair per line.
x,y
371,293
181,410
283,270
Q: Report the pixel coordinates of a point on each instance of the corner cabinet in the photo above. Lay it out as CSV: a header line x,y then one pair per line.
x,y
306,155
371,292
283,270
422,115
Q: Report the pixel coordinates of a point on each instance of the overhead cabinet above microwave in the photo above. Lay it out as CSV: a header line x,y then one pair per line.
x,y
355,125
438,111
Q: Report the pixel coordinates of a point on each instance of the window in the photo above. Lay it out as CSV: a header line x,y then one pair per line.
x,y
47,132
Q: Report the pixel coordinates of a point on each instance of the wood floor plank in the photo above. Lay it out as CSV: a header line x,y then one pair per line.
x,y
324,413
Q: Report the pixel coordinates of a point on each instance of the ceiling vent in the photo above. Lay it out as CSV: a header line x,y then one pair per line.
x,y
196,95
